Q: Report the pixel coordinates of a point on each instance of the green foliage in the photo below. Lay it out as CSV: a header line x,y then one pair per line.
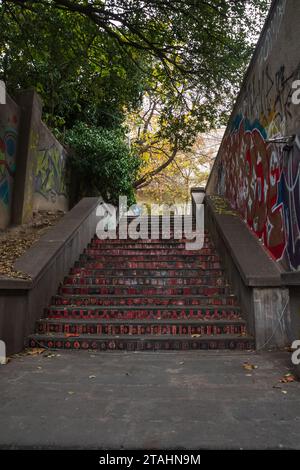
x,y
96,61
80,72
102,162
90,60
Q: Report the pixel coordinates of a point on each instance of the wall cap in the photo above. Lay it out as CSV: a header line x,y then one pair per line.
x,y
36,260
291,278
254,264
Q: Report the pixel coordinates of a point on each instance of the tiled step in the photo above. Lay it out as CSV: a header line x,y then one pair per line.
x,y
205,254
139,327
155,243
144,289
144,300
145,312
143,343
142,281
159,264
150,245
138,272
144,295
147,255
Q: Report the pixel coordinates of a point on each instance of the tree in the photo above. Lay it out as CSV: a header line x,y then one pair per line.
x,y
94,60
168,124
206,41
87,85
80,73
178,33
189,168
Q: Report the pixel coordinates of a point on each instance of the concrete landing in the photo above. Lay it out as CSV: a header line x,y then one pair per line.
x,y
178,400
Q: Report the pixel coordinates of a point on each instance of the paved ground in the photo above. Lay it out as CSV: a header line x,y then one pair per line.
x,y
176,400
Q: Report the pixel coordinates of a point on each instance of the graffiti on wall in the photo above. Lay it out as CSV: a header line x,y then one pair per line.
x,y
268,97
50,179
272,32
265,176
257,171
264,187
253,168
289,199
8,149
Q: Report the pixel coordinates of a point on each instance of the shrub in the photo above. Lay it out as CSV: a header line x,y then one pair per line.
x,y
102,162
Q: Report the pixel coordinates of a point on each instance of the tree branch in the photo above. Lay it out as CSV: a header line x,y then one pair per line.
x,y
152,173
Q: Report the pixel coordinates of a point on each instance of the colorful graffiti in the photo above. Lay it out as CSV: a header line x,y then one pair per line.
x,y
50,179
289,200
8,148
253,170
262,181
258,168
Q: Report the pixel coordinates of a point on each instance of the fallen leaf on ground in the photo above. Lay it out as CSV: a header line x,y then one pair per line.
x,y
35,351
16,240
248,366
288,378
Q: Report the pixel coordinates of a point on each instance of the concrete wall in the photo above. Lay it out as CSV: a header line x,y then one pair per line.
x,y
9,130
32,162
260,177
295,309
50,173
22,302
254,275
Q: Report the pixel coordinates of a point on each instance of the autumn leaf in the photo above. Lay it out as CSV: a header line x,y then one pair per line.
x,y
288,378
35,351
248,366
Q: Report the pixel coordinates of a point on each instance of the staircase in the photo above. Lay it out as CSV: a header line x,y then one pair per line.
x,y
144,295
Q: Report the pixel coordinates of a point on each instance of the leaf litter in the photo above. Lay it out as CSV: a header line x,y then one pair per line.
x,y
15,241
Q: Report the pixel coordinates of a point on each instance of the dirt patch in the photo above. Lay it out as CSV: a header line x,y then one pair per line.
x,y
15,241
